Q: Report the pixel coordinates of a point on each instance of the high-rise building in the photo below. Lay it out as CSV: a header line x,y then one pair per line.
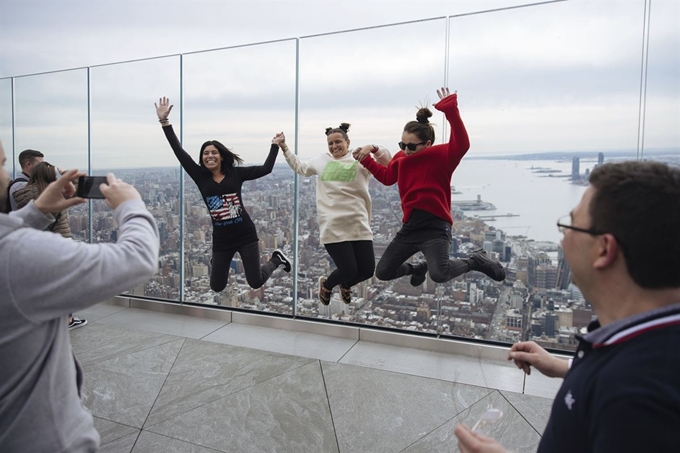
x,y
575,169
600,158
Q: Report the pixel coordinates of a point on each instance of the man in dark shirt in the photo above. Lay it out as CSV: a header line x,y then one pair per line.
x,y
622,391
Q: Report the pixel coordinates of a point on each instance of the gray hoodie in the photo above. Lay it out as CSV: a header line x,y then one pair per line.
x,y
43,278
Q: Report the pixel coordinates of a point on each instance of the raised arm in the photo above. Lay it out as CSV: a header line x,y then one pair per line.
x,y
163,109
459,142
76,270
258,171
387,175
299,167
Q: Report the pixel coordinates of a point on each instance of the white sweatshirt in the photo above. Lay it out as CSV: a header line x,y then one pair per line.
x,y
343,204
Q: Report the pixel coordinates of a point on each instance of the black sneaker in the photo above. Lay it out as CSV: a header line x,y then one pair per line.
x,y
482,263
346,294
280,259
418,273
76,322
324,294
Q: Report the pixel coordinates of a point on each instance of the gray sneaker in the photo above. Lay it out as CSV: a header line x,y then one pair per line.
x,y
482,263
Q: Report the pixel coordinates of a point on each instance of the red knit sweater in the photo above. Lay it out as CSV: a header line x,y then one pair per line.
x,y
424,178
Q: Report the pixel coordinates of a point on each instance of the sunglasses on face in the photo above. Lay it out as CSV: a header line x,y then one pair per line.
x,y
410,146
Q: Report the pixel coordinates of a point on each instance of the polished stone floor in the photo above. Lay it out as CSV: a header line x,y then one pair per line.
x,y
167,383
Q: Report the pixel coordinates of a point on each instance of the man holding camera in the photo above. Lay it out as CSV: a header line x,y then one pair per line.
x,y
43,278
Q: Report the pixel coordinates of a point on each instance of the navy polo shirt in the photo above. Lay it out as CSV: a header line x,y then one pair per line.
x,y
622,392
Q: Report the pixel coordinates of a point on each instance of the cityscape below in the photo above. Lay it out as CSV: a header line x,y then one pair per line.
x,y
536,301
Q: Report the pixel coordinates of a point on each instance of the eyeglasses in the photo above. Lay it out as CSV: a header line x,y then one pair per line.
x,y
410,146
565,222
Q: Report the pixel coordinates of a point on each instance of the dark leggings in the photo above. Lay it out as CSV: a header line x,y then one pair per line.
x,y
250,255
355,263
440,267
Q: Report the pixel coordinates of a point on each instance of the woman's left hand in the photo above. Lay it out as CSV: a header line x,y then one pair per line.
x,y
279,139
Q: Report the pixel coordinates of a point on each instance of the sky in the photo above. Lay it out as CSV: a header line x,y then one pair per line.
x,y
531,76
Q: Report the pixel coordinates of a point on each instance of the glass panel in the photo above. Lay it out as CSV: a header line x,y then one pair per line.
x,y
51,117
6,125
372,79
241,97
545,92
127,140
662,115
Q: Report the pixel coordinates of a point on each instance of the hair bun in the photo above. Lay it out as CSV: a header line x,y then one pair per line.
x,y
423,114
329,130
344,127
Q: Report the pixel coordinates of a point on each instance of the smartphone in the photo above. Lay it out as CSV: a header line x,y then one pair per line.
x,y
88,186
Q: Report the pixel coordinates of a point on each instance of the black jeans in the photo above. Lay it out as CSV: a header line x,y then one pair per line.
x,y
433,239
355,261
256,275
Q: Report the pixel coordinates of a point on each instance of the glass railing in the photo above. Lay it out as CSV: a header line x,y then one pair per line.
x,y
545,91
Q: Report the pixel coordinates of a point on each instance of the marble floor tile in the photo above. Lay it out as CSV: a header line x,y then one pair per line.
x,y
110,431
512,430
99,311
437,365
98,342
288,413
535,409
540,385
382,411
205,372
123,389
302,344
122,445
155,443
168,323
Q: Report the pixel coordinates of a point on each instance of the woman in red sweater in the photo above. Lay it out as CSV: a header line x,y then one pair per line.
x,y
423,173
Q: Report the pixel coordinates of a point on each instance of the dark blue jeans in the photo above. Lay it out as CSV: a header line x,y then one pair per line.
x,y
436,250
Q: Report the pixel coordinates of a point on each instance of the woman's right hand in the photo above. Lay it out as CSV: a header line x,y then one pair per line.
x,y
360,153
280,139
163,108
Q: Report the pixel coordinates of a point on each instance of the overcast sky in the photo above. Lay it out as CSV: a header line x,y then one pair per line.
x,y
549,77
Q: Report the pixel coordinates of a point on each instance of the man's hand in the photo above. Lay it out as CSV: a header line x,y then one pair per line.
x,y
118,192
527,354
472,442
59,194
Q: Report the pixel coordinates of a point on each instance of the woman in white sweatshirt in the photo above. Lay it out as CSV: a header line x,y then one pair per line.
x,y
343,208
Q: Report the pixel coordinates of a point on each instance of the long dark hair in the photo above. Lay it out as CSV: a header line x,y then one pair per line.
x,y
228,158
421,127
42,175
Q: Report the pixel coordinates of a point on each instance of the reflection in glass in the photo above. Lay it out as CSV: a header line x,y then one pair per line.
x,y
51,117
126,140
372,79
536,88
662,113
241,97
6,125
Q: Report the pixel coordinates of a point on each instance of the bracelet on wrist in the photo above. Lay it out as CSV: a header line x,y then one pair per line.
x,y
375,149
284,149
163,120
